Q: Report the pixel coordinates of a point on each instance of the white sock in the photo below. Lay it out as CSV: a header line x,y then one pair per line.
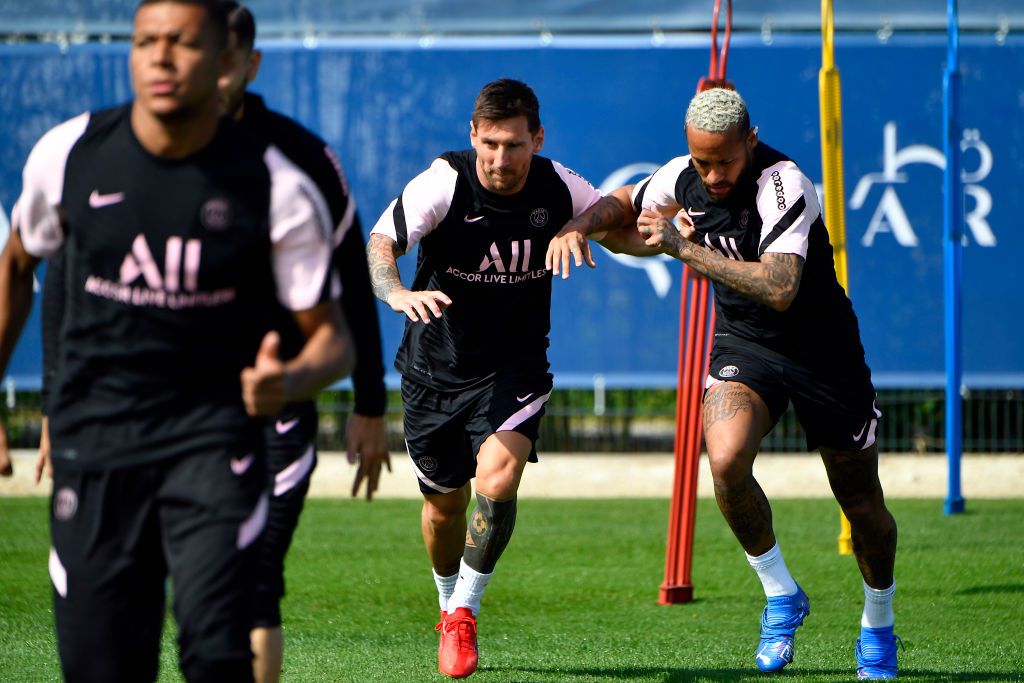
x,y
468,589
878,607
772,571
445,588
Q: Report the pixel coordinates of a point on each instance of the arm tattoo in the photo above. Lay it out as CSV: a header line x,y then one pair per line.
x,y
606,214
381,254
768,282
671,238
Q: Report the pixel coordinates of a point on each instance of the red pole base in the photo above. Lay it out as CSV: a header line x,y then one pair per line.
x,y
706,83
674,595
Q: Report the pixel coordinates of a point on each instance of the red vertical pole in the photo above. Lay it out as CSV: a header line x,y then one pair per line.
x,y
696,327
694,341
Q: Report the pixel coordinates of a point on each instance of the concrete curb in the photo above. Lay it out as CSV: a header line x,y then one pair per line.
x,y
651,476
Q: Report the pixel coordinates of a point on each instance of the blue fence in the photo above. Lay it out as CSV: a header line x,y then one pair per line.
x,y
613,108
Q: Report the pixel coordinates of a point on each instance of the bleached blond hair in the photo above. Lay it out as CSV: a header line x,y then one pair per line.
x,y
717,111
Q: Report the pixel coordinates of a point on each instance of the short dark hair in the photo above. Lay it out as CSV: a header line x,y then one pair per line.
x,y
216,15
507,98
242,23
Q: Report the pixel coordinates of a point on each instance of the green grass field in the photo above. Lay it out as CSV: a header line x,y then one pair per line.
x,y
575,596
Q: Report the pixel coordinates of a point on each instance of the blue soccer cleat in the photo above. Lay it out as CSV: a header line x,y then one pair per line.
x,y
779,621
876,654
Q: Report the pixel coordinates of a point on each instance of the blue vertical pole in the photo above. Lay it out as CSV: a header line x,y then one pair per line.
x,y
953,265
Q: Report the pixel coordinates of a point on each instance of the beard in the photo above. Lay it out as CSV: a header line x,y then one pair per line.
x,y
725,190
503,181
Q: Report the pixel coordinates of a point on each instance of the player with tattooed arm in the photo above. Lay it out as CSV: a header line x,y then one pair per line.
x,y
785,332
474,356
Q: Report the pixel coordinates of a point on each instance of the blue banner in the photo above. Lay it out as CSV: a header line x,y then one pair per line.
x,y
613,111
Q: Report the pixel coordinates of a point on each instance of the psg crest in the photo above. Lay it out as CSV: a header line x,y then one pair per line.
x,y
539,218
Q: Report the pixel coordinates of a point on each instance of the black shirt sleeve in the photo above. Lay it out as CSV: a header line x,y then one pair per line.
x,y
52,315
360,307
315,158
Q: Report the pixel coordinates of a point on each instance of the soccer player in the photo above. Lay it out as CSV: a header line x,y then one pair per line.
x,y
786,332
291,450
178,231
474,355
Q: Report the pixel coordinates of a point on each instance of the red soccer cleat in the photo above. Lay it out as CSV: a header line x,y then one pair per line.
x,y
457,653
437,628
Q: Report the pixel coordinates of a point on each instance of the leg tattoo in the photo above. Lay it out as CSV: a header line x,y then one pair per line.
x,y
725,403
746,509
489,532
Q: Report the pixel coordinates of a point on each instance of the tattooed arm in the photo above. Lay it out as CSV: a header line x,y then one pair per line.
x,y
772,281
381,256
382,259
612,211
611,221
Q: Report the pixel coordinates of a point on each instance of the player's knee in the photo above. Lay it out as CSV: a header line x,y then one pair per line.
x,y
729,465
440,520
442,512
499,483
868,512
498,478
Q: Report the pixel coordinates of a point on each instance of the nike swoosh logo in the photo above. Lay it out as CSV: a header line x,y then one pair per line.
x,y
473,219
523,399
240,465
782,652
98,201
690,212
856,437
285,427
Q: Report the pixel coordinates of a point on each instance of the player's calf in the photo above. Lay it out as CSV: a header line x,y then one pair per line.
x,y
489,532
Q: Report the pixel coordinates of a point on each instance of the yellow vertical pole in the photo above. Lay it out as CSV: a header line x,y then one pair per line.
x,y
832,171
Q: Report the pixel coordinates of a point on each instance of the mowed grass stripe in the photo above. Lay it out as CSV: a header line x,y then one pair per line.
x,y
575,595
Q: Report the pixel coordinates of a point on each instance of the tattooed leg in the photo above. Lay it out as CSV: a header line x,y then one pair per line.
x,y
735,418
853,477
500,464
489,532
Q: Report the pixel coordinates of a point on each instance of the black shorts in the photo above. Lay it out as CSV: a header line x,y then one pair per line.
x,y
835,406
117,534
291,458
444,430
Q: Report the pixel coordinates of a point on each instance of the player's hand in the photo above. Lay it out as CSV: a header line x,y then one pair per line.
x,y
263,385
659,233
685,226
367,444
419,305
6,466
572,246
43,462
